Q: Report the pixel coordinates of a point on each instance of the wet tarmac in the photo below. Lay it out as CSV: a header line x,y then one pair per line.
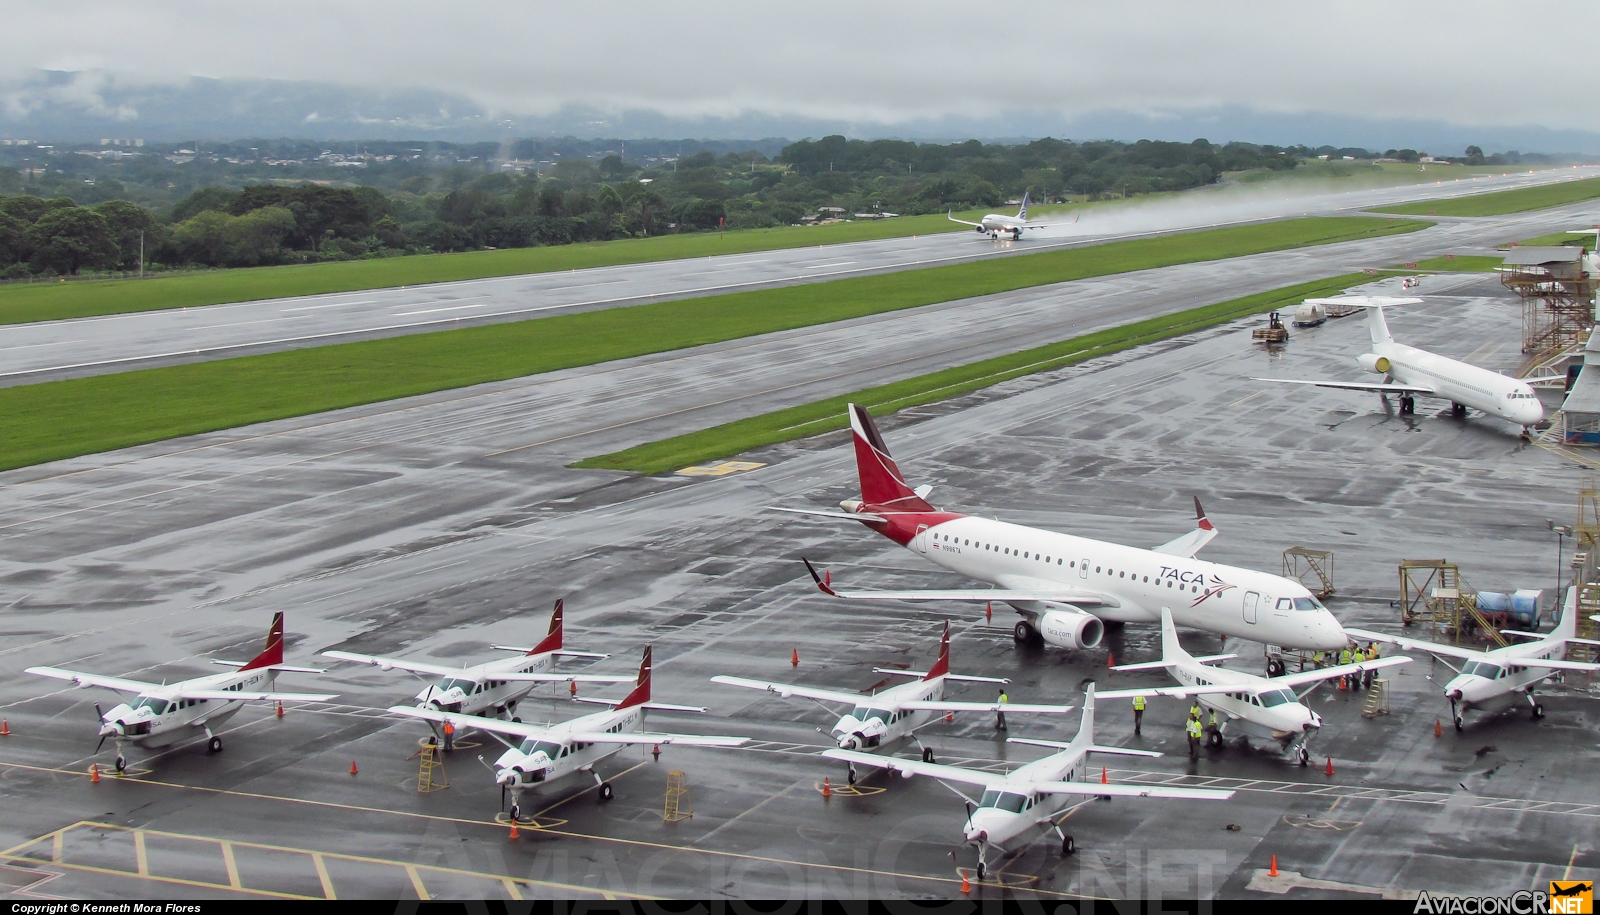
x,y
394,529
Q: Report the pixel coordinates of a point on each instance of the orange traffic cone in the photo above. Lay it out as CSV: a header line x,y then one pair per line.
x,y
988,612
1329,770
94,773
1274,871
1103,779
280,708
5,728
353,769
572,687
827,787
1438,727
794,658
1111,660
949,717
966,885
514,836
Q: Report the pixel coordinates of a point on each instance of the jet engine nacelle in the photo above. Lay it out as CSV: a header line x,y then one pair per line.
x,y
1068,627
1373,362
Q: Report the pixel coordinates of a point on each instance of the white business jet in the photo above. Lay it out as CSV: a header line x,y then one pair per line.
x,y
1491,680
996,224
163,714
1410,372
494,687
1032,796
537,756
883,718
1265,707
1066,587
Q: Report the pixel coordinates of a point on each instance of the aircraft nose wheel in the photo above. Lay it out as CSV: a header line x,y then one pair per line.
x,y
1067,846
516,811
122,764
1459,723
1305,757
215,745
605,791
981,870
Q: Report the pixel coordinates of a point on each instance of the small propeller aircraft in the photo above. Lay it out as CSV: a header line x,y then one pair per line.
x,y
1266,707
164,714
538,755
494,687
1490,680
897,712
1033,795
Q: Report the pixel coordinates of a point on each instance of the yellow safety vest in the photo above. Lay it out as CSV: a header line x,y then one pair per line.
x,y
1138,703
1344,656
1213,719
1194,728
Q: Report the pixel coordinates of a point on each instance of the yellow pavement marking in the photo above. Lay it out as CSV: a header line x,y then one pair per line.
x,y
416,882
138,853
1567,874
720,469
232,865
322,874
511,889
56,841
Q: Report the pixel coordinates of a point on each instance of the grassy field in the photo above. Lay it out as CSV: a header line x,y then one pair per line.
x,y
1502,202
1554,239
60,419
827,415
1469,263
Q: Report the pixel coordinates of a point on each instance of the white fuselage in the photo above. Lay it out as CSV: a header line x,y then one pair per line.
x,y
1202,595
1258,708
478,690
879,721
1011,808
158,718
1468,385
554,754
1494,681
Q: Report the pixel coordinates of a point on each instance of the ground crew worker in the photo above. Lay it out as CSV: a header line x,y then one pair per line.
x,y
1192,728
1138,713
1212,725
1000,716
1372,655
1344,658
655,751
1194,710
1319,659
449,737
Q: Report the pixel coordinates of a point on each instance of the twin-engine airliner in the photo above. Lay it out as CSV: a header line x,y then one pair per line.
x,y
996,224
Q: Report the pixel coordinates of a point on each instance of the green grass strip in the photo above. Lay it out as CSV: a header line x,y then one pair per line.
x,y
1555,239
1500,203
1468,263
60,419
827,415
45,301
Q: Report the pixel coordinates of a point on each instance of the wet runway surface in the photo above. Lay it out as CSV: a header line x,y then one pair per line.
x,y
413,528
113,343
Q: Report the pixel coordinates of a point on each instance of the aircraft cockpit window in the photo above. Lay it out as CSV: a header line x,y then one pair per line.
x,y
156,706
1482,669
1285,603
451,683
1306,603
1276,697
1004,800
531,746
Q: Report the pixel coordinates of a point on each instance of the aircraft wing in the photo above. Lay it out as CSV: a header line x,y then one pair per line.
x,y
682,740
1374,387
1329,673
509,728
952,217
843,516
416,667
1546,663
916,767
232,695
930,706
1118,790
787,690
559,678
1058,745
1420,645
1170,692
82,679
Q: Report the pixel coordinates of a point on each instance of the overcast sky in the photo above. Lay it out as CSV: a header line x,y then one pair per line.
x,y
1467,63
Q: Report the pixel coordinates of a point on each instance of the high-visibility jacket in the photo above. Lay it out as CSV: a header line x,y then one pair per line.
x,y
1213,721
1344,656
1194,710
1004,698
1194,728
1138,703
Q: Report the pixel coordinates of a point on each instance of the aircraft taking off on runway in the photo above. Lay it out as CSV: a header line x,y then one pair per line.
x,y
164,714
547,753
1490,680
1066,586
1265,707
1411,372
494,687
898,711
996,224
1030,796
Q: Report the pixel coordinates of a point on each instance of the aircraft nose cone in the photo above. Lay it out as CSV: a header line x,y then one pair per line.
x,y
849,742
111,729
974,834
507,777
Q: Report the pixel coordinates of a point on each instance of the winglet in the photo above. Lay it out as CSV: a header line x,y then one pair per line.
x,y
552,638
1201,521
941,666
641,691
274,651
824,581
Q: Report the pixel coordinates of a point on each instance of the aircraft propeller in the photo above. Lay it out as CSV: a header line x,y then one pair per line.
x,y
102,716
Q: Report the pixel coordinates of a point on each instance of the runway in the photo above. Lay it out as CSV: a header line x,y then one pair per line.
x,y
61,349
439,525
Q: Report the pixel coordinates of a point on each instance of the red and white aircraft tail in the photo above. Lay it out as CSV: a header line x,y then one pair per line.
x,y
883,487
552,638
641,691
941,667
272,656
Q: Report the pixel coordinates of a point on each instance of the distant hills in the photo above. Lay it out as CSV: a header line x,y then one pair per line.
x,y
87,105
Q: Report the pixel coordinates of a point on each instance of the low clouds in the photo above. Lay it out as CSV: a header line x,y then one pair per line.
x,y
883,63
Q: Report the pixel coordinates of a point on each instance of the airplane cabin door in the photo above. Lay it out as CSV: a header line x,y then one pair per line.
x,y
1251,600
921,539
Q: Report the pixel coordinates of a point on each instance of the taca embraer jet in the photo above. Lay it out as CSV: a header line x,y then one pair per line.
x,y
1067,587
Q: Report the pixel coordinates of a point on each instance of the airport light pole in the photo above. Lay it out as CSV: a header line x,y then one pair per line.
x,y
1562,532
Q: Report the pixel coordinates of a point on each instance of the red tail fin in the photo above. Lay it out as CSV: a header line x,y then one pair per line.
x,y
641,692
941,666
552,639
274,652
881,481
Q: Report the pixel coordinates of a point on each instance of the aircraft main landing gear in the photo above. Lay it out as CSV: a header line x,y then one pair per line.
x,y
1538,707
927,754
1025,634
1408,405
213,742
1068,846
605,791
1458,411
